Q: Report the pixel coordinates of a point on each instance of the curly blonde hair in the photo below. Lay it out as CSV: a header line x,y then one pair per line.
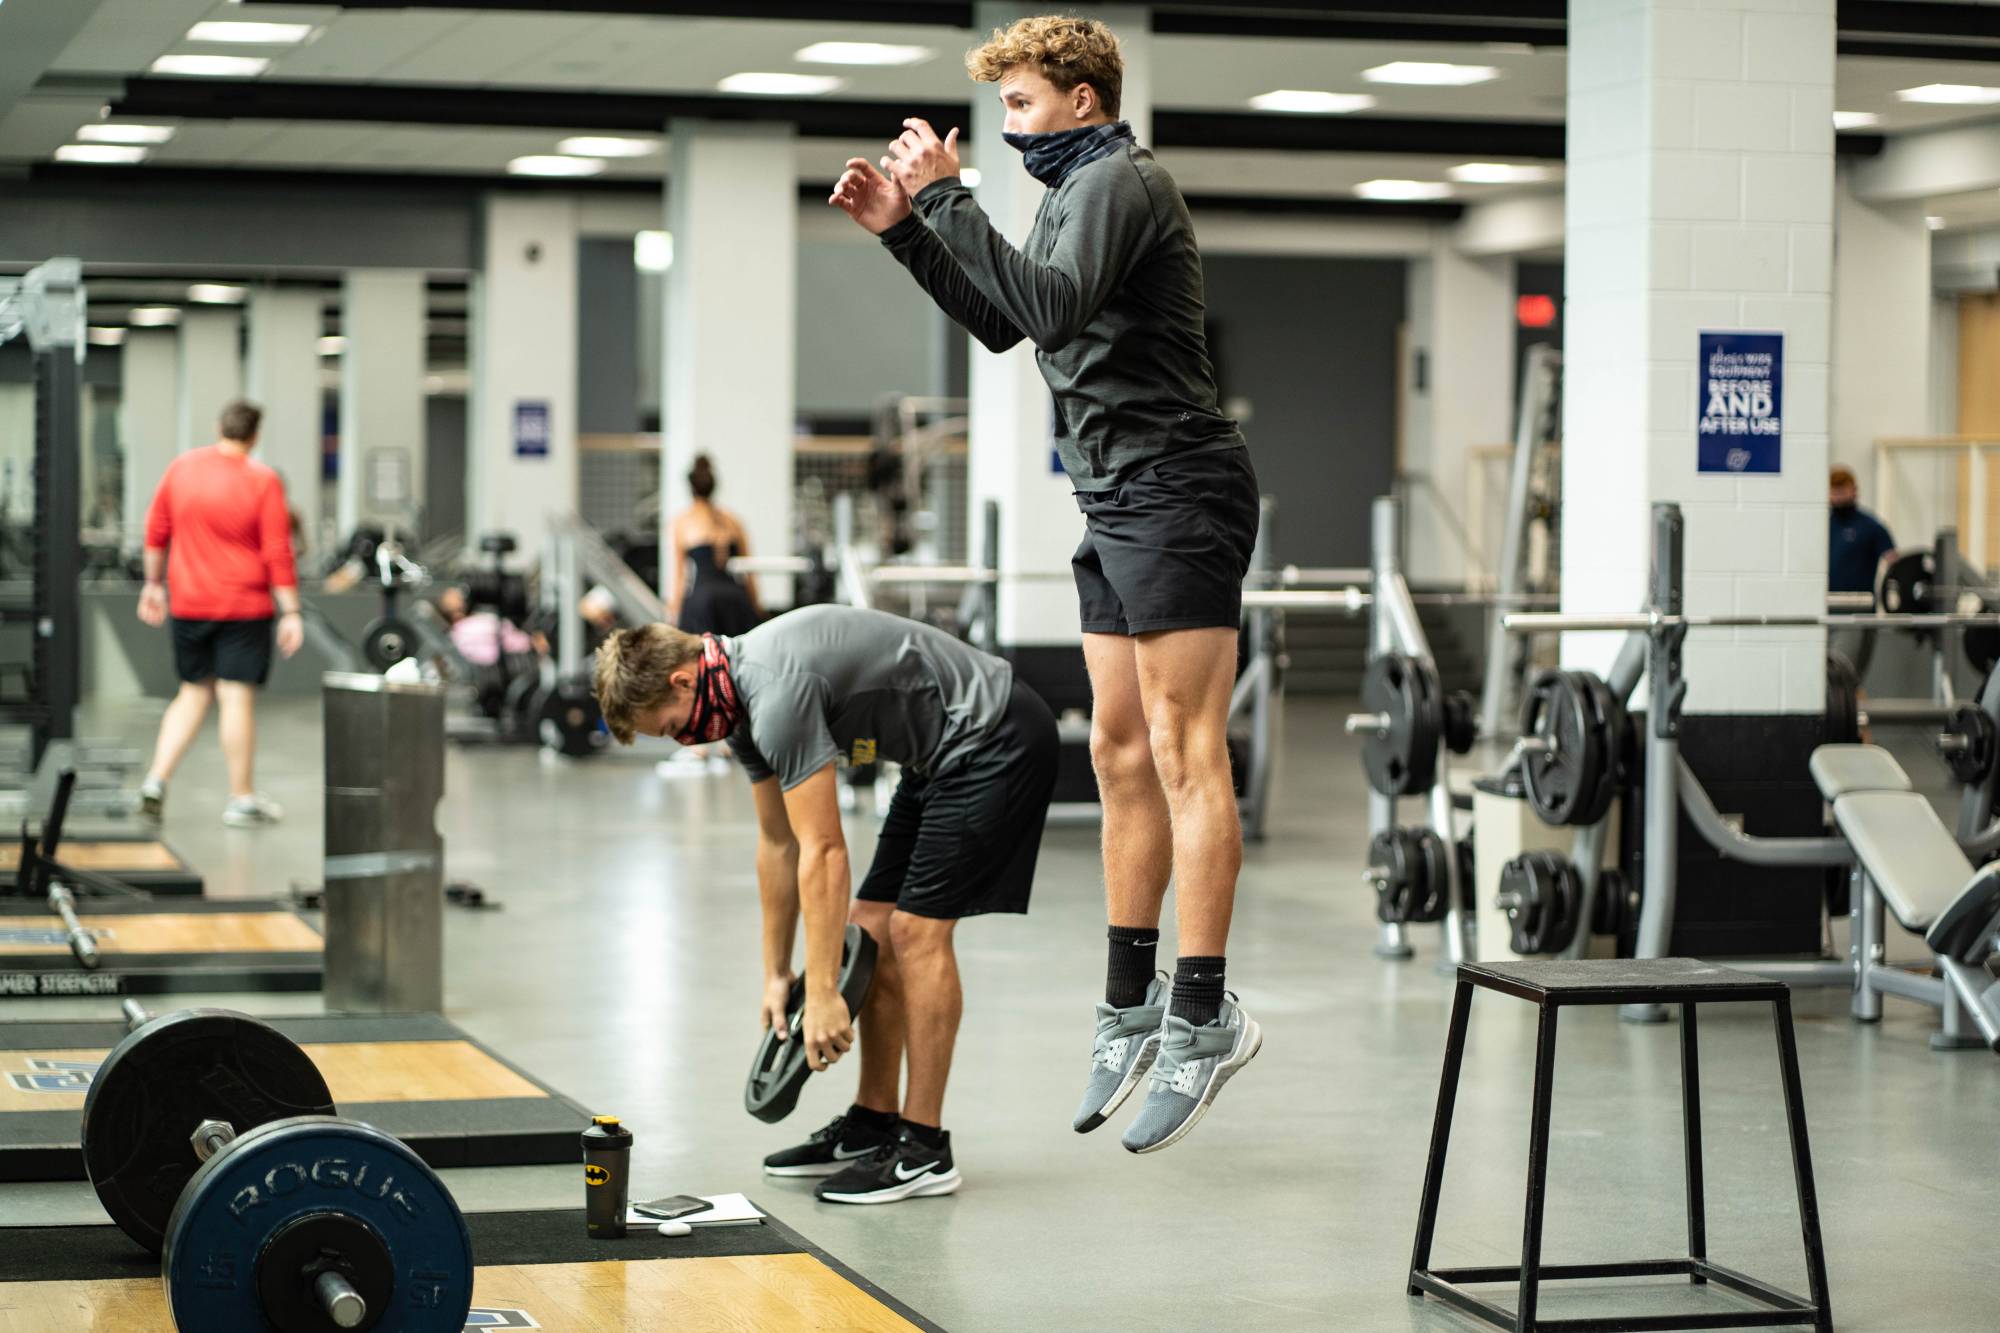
x,y
630,674
1068,51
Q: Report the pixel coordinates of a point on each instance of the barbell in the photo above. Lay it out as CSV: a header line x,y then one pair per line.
x,y
211,1140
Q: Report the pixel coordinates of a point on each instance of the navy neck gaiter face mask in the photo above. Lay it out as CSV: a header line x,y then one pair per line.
x,y
1050,157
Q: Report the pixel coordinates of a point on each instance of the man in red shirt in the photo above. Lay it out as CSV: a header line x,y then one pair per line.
x,y
220,532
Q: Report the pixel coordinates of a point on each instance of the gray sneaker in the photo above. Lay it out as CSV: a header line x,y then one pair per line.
x,y
1127,1040
152,800
251,812
1193,1064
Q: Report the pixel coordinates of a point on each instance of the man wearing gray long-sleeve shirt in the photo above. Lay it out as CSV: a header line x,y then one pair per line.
x,y
1108,288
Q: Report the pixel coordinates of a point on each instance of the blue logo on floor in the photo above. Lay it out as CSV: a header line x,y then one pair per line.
x,y
30,935
54,1076
479,1318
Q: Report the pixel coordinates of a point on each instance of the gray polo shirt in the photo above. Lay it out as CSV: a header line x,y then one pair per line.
x,y
837,684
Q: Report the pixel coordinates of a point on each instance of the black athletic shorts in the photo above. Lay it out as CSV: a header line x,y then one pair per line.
x,y
1167,548
965,843
238,650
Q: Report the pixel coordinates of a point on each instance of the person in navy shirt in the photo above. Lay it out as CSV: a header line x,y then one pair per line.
x,y
1857,544
1857,541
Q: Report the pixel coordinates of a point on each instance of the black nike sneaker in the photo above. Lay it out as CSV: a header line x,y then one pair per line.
x,y
901,1169
833,1148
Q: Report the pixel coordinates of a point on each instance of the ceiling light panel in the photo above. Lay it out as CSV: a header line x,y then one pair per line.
x,y
251,34
212,67
1308,101
101,154
781,85
105,132
605,145
862,53
1430,74
548,164
1402,189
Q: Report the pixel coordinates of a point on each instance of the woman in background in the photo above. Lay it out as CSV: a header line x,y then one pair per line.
x,y
703,597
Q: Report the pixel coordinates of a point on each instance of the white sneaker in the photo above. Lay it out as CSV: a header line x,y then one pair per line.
x,y
252,812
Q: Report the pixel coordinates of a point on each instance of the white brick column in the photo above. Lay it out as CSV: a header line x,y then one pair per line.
x,y
1699,199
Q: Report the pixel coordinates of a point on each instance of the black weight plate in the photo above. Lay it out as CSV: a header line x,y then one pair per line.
x,y
569,721
1607,909
1432,901
1982,643
1972,763
1467,865
1401,760
1613,726
346,1181
1388,869
779,1072
1564,778
292,1259
1563,909
1520,898
165,1078
1461,722
388,642
1906,584
1843,701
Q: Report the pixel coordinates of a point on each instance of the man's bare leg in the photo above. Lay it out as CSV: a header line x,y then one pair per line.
x,y
1185,678
239,734
1138,862
933,1003
1138,837
882,1023
179,726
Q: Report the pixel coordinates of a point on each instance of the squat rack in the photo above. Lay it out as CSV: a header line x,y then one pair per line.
x,y
1655,636
47,307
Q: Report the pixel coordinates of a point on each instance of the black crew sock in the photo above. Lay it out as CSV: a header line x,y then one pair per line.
x,y
1134,955
861,1118
1198,989
930,1136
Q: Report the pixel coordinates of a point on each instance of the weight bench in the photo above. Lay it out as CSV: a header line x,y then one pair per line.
x,y
1909,863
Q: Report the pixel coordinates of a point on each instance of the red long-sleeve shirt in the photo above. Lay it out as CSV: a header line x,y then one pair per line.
x,y
222,519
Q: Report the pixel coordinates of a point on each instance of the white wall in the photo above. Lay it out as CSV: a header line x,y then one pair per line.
x,y
383,321
1699,196
148,420
523,351
1461,323
1882,324
211,372
732,302
282,374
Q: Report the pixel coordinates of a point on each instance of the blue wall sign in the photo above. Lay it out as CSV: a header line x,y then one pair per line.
x,y
1740,402
531,429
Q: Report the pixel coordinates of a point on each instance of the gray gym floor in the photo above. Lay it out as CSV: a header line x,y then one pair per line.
x,y
623,970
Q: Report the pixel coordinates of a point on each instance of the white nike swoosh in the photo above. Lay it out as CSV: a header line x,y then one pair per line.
x,y
844,1155
912,1175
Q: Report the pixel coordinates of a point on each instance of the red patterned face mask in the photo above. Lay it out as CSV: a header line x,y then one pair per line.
x,y
716,709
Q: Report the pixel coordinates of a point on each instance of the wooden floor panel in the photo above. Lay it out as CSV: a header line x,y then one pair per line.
x,y
764,1293
106,857
176,932
357,1072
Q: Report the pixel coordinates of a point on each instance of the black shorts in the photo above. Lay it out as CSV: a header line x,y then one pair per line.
x,y
238,650
1167,548
965,843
